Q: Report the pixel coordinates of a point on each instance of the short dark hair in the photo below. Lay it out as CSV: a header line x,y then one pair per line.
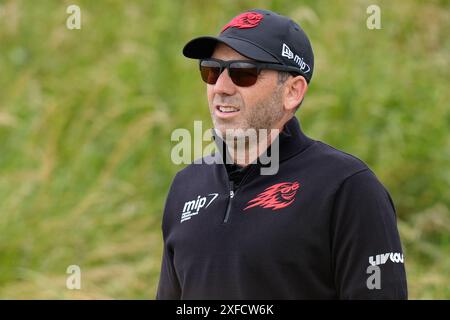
x,y
282,77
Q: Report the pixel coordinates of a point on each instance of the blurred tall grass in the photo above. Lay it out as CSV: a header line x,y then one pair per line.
x,y
86,117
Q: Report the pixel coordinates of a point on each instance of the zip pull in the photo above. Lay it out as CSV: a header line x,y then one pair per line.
x,y
230,201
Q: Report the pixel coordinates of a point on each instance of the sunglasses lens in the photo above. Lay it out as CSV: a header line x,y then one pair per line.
x,y
210,71
243,74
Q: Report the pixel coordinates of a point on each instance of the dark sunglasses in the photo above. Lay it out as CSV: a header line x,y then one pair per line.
x,y
243,73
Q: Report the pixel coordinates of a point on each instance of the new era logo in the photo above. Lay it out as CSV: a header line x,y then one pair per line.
x,y
287,52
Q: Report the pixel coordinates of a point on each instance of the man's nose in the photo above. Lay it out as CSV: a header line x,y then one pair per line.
x,y
224,84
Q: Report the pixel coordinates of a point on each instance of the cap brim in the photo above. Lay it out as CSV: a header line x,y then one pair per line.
x,y
203,47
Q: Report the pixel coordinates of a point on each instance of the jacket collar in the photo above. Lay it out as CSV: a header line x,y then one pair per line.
x,y
292,139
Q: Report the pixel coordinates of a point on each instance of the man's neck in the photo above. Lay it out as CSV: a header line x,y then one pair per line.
x,y
244,150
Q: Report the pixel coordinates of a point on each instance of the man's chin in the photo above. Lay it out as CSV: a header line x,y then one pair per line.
x,y
233,135
229,131
224,126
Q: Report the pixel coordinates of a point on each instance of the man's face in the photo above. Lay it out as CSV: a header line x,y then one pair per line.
x,y
259,106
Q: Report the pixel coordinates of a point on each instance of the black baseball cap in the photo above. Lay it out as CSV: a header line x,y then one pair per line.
x,y
261,35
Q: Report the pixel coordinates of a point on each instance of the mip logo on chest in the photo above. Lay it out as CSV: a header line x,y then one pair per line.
x,y
192,207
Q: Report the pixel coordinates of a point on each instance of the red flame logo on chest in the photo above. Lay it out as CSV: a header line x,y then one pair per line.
x,y
278,196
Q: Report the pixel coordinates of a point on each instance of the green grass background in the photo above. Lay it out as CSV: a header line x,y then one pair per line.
x,y
86,117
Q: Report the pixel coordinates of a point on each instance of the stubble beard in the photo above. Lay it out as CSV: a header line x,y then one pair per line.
x,y
265,115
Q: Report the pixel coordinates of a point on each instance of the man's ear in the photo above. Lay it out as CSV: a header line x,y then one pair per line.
x,y
294,91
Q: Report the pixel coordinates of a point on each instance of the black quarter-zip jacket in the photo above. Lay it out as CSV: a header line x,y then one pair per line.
x,y
314,230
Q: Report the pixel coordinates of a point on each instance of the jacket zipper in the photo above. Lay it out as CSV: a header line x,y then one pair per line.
x,y
233,194
230,202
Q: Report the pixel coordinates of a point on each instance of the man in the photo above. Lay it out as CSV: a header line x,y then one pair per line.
x,y
321,227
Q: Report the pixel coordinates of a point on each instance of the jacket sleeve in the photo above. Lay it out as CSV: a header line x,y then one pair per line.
x,y
367,257
168,287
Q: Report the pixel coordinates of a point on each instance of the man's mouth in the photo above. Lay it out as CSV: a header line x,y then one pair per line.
x,y
227,109
223,111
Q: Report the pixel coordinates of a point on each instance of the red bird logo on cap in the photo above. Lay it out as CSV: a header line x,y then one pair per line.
x,y
278,196
244,21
